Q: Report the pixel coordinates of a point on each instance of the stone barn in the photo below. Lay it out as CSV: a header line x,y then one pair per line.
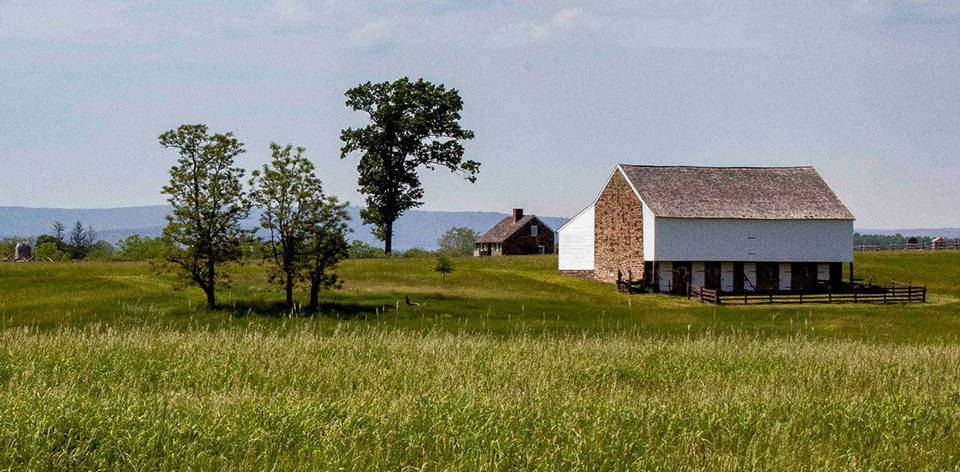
x,y
733,229
516,235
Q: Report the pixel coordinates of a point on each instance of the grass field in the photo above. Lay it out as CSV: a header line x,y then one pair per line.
x,y
501,296
507,366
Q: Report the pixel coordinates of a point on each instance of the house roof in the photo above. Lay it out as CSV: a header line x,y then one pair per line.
x,y
764,193
505,228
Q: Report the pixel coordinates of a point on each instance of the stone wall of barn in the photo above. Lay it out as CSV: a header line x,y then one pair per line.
x,y
618,231
521,243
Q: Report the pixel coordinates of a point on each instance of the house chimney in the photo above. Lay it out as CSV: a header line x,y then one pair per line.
x,y
517,214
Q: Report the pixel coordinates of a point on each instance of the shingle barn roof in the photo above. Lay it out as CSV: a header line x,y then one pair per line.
x,y
504,229
765,193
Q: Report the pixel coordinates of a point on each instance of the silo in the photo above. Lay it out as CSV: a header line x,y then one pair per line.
x,y
22,252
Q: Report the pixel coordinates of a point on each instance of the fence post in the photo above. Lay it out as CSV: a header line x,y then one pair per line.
x,y
854,294
745,302
688,291
924,294
830,293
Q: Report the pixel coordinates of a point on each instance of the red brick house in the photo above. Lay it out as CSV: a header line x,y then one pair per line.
x,y
733,229
516,235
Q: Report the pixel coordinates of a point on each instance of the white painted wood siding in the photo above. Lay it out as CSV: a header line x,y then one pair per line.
x,y
786,276
750,274
666,276
729,240
823,272
726,276
576,242
649,235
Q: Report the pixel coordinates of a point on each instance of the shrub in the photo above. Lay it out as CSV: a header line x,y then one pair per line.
x,y
416,253
49,250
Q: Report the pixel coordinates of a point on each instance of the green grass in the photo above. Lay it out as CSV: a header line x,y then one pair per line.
x,y
500,296
377,399
505,366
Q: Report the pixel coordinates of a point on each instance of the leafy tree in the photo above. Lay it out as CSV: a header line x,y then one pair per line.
x,y
206,192
289,193
361,250
100,251
444,265
136,248
50,250
413,124
326,246
458,242
46,238
416,253
8,246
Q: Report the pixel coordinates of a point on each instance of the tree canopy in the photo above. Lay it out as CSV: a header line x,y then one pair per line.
x,y
209,204
412,125
457,241
290,195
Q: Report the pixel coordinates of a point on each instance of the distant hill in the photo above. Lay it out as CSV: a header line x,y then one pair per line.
x,y
416,228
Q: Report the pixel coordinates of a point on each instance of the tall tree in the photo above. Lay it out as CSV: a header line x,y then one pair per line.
x,y
80,240
457,241
206,192
412,124
289,193
326,246
58,230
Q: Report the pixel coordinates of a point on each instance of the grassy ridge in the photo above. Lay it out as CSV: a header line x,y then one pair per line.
x,y
147,398
502,295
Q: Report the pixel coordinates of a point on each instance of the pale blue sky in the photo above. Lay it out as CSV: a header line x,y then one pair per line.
x,y
868,92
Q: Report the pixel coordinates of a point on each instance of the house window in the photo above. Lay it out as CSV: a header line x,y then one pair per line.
x,y
610,273
534,231
499,247
541,250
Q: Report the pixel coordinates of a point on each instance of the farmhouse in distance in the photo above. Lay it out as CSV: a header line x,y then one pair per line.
x,y
516,235
732,229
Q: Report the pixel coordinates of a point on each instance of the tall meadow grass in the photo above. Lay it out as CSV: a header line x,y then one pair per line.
x,y
147,398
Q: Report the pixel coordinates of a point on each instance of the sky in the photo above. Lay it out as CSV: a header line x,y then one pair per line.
x,y
868,92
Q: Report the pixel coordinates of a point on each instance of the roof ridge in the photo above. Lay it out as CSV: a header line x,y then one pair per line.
x,y
715,167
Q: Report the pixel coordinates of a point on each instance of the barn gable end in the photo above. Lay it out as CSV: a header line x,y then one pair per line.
x,y
618,231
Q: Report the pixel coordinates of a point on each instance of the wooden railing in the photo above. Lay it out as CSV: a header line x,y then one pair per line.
x,y
859,294
924,246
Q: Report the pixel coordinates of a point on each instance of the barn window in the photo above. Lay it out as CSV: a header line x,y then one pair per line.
x,y
682,272
714,272
541,250
767,272
534,230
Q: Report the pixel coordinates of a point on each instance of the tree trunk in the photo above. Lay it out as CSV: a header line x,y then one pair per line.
x,y
288,286
211,300
388,238
314,295
211,287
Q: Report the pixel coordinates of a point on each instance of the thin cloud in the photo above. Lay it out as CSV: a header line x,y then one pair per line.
x,y
369,34
566,17
562,19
